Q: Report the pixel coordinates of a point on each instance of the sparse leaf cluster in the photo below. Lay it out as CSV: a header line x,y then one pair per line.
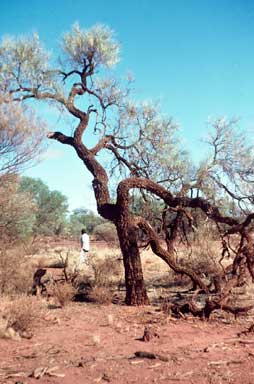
x,y
21,135
96,46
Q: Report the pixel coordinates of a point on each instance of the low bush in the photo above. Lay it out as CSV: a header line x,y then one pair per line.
x,y
16,272
107,273
22,314
107,270
101,295
106,232
63,293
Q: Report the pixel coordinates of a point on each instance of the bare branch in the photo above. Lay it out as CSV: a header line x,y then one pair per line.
x,y
100,145
61,138
165,255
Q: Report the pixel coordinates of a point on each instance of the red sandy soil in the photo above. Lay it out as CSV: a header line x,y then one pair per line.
x,y
87,343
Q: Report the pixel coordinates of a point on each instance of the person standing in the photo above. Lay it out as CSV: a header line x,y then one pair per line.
x,y
85,246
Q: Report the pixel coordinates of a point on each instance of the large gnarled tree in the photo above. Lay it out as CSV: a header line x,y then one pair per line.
x,y
135,145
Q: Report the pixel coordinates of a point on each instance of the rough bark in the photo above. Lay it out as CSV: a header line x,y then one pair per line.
x,y
117,213
167,255
135,288
127,226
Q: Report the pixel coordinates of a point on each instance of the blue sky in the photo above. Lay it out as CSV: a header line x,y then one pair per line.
x,y
196,56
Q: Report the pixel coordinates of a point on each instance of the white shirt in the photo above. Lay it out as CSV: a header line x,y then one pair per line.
x,y
84,240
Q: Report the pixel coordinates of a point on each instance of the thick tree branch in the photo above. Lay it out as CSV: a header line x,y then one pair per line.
x,y
240,227
209,209
61,138
166,255
100,145
100,183
78,133
75,90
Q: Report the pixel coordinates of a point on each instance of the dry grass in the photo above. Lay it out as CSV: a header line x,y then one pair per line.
x,y
107,270
107,273
16,272
63,293
104,268
101,295
21,314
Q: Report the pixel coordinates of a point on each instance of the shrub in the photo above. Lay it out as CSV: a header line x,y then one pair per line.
x,y
106,232
205,256
107,274
101,295
15,272
205,252
107,271
17,211
63,293
22,314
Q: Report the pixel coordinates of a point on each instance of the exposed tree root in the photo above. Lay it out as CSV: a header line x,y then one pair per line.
x,y
210,306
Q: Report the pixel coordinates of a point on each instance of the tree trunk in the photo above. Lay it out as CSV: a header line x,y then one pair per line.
x,y
134,282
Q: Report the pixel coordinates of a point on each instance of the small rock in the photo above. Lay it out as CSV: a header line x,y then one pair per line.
x,y
105,377
26,335
10,333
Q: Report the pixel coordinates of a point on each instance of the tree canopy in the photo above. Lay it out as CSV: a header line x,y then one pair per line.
x,y
51,206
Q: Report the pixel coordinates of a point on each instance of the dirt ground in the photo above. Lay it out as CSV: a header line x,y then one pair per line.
x,y
87,343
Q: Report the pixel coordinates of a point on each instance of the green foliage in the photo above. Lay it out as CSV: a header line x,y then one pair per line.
x,y
227,174
105,231
83,218
51,207
18,212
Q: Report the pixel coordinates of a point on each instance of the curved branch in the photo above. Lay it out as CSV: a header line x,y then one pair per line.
x,y
78,133
100,182
230,193
120,146
66,75
131,166
138,182
61,138
100,145
34,93
76,89
166,255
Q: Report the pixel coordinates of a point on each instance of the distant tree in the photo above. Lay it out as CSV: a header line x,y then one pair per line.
x,y
52,207
83,218
144,149
105,231
18,211
21,143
